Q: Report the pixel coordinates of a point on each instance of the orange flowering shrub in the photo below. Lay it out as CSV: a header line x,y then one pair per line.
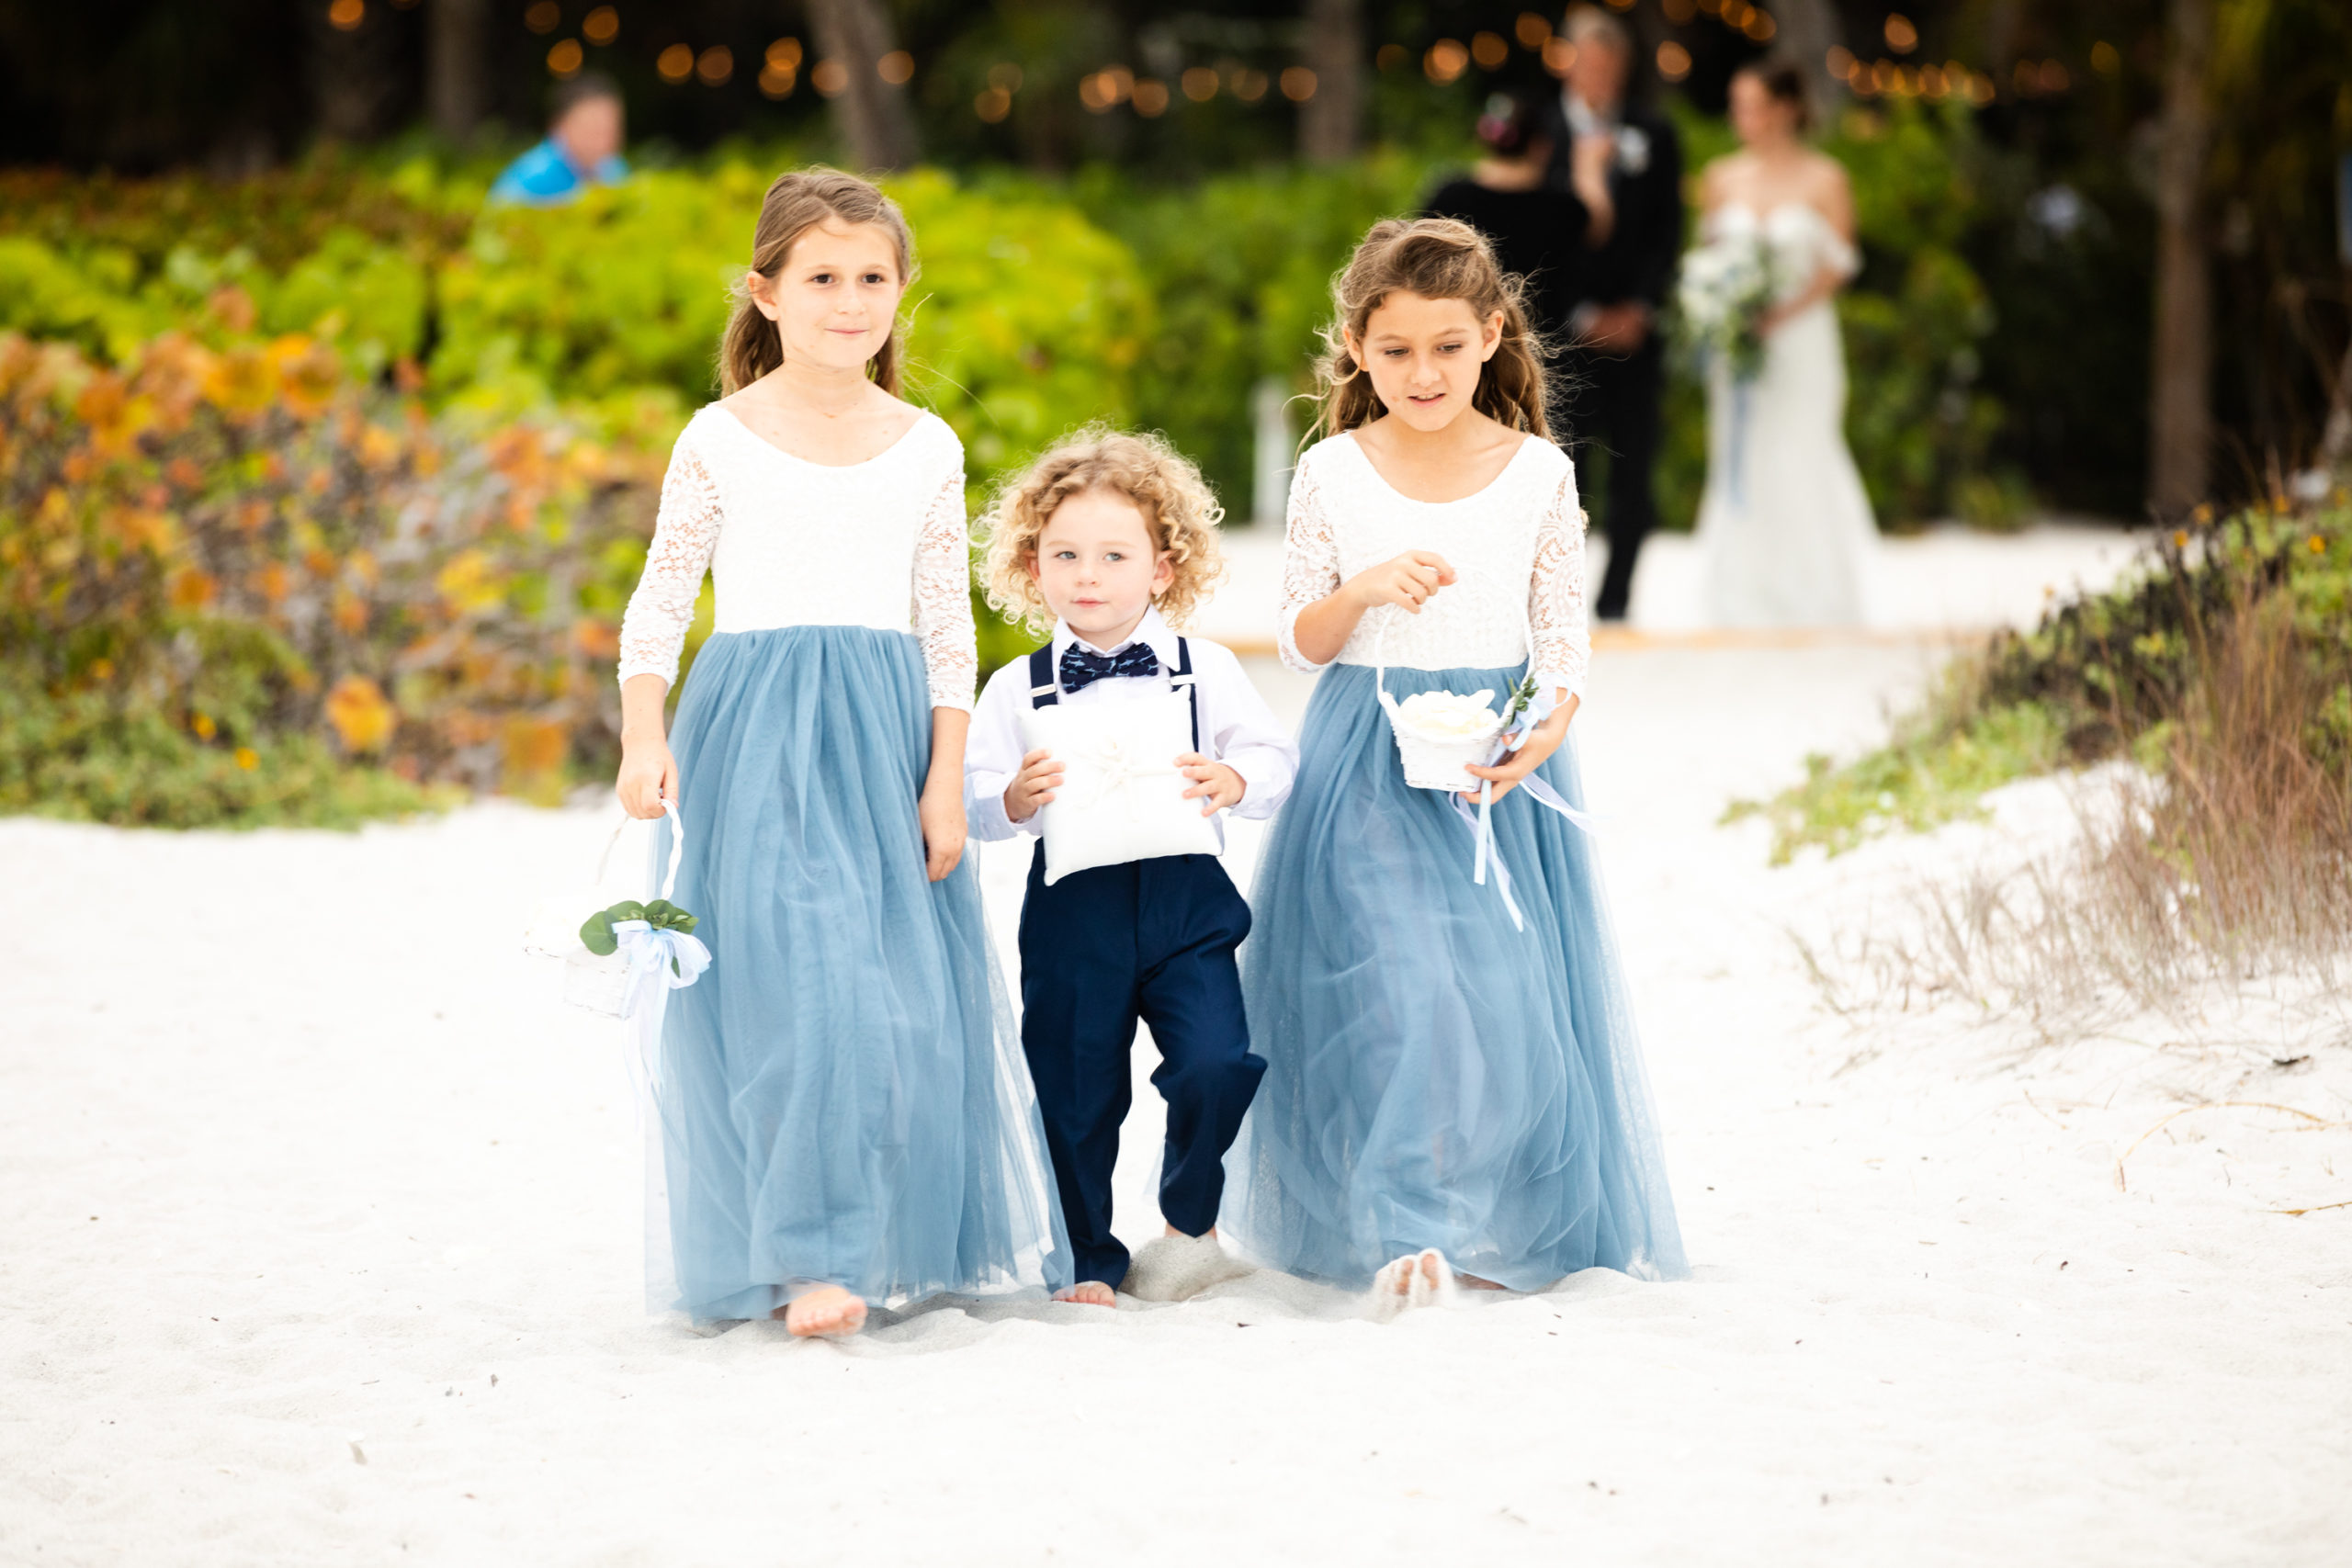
x,y
229,576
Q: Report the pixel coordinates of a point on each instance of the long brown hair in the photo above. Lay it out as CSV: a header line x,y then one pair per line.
x,y
1436,258
795,204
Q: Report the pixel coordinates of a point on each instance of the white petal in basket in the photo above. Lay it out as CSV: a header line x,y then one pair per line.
x,y
1122,797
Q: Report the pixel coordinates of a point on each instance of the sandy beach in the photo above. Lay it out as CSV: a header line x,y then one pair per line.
x,y
321,1246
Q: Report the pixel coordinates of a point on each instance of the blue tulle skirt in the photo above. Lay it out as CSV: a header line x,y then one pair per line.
x,y
842,1098
1434,1077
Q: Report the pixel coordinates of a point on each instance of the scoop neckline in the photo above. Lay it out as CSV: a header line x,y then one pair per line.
x,y
1526,441
903,437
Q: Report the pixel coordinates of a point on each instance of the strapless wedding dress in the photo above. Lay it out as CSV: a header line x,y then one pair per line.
x,y
1784,526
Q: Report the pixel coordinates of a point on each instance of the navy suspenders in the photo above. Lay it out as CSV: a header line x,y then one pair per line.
x,y
1044,691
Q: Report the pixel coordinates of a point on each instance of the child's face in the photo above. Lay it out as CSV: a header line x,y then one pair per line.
x,y
1096,565
1425,355
835,298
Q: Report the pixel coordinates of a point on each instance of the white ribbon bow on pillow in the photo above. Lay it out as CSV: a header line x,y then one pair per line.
x,y
1116,763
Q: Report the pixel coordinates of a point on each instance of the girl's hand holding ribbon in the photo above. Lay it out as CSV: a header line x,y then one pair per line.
x,y
1536,733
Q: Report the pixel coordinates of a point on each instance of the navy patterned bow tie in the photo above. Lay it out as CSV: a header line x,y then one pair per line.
x,y
1081,668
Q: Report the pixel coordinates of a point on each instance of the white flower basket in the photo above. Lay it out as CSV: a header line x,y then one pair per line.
x,y
599,984
1433,761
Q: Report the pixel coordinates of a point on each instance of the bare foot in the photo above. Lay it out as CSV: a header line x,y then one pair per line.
x,y
1418,1280
1089,1293
826,1313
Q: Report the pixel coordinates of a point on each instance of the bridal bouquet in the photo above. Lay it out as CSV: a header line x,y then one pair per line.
x,y
1727,287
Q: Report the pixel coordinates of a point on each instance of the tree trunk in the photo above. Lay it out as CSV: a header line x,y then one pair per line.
x,y
1808,30
870,113
1330,124
457,66
2180,415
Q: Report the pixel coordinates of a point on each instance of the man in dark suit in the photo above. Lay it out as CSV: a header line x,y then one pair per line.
x,y
1616,369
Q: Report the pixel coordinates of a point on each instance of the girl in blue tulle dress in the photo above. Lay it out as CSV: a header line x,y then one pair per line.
x,y
844,1116
1452,1084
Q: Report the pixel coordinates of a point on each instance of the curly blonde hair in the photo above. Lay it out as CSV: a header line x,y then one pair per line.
x,y
1177,504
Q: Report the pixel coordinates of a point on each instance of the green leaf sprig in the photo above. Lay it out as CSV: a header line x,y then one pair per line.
x,y
596,931
1521,694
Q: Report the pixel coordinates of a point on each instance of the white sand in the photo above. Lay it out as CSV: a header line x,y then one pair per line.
x,y
299,1157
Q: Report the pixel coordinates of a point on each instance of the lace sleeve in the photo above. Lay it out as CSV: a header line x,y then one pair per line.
x,y
943,598
1555,594
653,629
1311,563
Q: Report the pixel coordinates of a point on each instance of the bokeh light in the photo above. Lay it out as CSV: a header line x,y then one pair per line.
x,y
1673,61
601,25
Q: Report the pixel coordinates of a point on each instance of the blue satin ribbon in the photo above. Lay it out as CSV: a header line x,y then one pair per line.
x,y
660,962
1481,826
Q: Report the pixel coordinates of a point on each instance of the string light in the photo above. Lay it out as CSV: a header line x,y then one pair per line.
x,y
1199,83
1299,84
1533,28
345,16
601,25
1249,86
1445,61
1488,50
564,59
675,63
1673,61
783,55
1151,97
542,18
715,65
830,78
1901,34
898,67
992,105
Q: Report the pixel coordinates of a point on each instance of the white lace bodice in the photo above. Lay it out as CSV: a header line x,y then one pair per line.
x,y
790,543
1801,239
1523,532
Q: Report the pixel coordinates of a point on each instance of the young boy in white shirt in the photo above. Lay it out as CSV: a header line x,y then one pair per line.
x,y
1105,538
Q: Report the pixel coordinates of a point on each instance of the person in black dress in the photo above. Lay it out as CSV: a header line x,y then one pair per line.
x,y
1539,232
1614,376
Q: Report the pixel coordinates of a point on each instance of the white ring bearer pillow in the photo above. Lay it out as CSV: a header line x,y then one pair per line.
x,y
1122,796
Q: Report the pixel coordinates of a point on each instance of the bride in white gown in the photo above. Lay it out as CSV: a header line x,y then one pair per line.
x,y
1784,526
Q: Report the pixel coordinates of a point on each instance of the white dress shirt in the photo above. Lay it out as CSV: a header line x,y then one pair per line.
x,y
1237,727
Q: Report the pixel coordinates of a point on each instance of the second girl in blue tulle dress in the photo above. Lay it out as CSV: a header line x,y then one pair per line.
x,y
845,1119
1449,1088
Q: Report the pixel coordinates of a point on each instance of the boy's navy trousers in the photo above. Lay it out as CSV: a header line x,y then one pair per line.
x,y
1151,939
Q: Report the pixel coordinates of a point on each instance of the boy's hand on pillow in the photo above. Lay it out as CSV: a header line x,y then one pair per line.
x,y
1033,786
1216,785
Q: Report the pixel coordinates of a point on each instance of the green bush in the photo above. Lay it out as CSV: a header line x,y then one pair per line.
x,y
2112,675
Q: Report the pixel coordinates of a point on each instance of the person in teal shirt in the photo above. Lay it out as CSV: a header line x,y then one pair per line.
x,y
582,147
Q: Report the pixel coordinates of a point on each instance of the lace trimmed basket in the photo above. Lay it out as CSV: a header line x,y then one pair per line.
x,y
1441,761
598,983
